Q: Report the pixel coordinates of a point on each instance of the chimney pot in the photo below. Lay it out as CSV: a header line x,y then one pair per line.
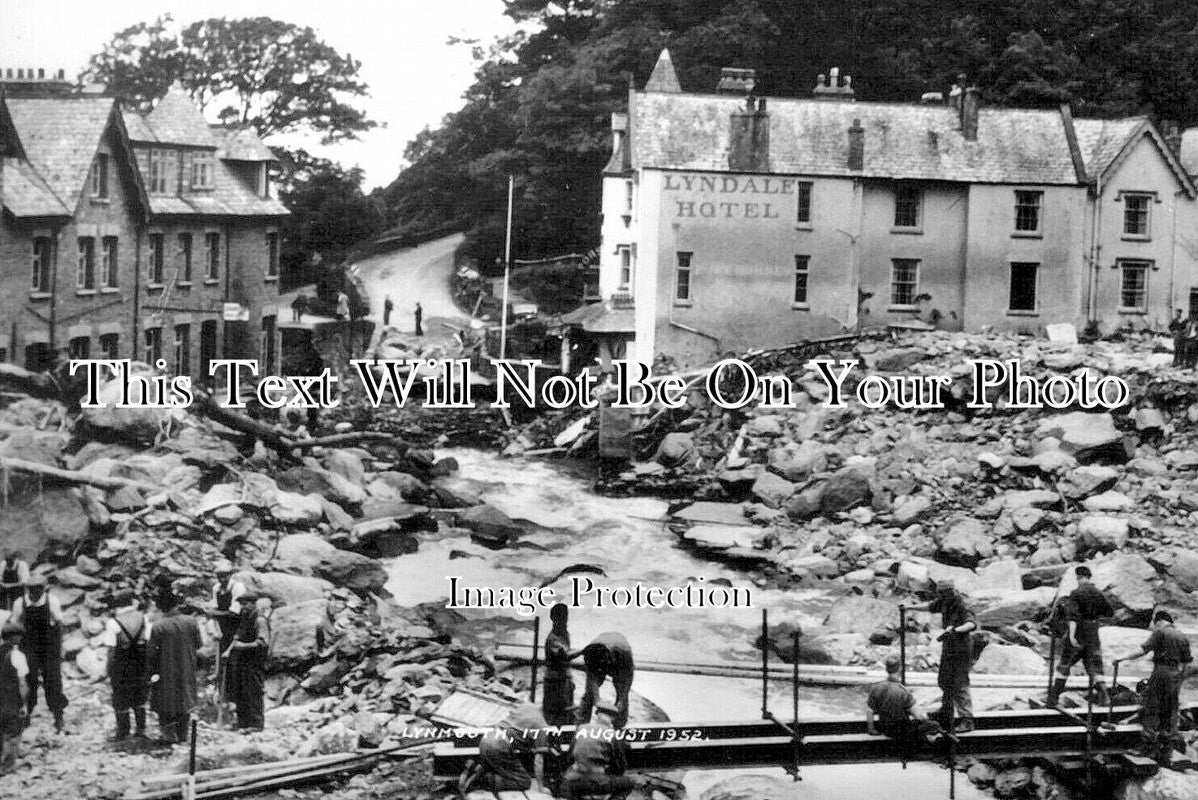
x,y
834,77
20,74
41,73
856,146
62,74
735,80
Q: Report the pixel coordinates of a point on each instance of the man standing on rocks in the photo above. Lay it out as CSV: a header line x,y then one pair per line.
x,y
1177,329
956,654
14,571
171,665
559,685
1084,607
14,669
893,706
387,306
38,612
1161,704
608,655
246,659
419,320
128,632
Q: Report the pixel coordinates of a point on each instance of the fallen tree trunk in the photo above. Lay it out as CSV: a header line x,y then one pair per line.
x,y
205,406
342,439
22,381
70,476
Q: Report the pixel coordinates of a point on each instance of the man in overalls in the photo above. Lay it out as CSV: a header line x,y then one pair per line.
x,y
129,632
13,574
38,612
13,690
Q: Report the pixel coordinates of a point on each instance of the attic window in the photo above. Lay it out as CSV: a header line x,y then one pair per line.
x,y
99,177
202,170
162,172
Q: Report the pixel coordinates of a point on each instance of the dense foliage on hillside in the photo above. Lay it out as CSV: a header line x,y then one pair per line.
x,y
540,105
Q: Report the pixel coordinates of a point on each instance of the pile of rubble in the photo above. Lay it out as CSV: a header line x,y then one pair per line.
x,y
154,495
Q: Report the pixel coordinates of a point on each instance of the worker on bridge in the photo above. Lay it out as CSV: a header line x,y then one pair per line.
x,y
600,759
504,753
956,654
558,695
608,655
892,705
1084,609
1161,709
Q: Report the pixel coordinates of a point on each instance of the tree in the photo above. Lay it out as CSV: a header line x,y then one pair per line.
x,y
275,77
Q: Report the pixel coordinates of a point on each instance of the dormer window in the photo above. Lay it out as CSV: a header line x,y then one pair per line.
x,y
263,180
202,170
162,172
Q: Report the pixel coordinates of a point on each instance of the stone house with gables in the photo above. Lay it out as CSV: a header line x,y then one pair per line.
x,y
134,236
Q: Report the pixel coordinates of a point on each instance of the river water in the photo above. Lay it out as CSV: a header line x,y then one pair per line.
x,y
569,525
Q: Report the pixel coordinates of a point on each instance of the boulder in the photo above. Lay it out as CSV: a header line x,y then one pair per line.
x,y
285,589
1184,570
308,554
70,576
294,629
998,575
910,509
1010,607
677,451
965,543
383,538
93,663
721,537
301,510
410,488
1032,498
861,615
1082,482
489,526
137,421
844,490
405,515
1008,659
333,738
1108,501
315,480
1165,785
30,444
1089,438
801,465
768,425
818,565
772,489
1100,533
347,464
52,518
803,506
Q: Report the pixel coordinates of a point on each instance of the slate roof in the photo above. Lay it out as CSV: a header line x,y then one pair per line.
x,y
26,194
176,120
60,137
231,197
240,144
902,141
1101,140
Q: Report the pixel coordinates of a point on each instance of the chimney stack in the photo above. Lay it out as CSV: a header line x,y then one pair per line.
x,y
831,87
969,114
734,80
856,146
749,139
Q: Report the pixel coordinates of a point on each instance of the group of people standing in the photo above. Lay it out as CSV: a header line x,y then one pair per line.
x,y
153,656
890,706
1185,339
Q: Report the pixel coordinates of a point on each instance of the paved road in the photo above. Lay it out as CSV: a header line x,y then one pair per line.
x,y
418,274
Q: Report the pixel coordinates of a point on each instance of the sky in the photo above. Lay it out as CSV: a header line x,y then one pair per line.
x,y
414,76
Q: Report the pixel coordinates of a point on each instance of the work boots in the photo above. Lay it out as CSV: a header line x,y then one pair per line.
x,y
59,723
1054,693
122,726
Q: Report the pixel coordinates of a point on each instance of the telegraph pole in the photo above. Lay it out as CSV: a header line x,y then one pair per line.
x,y
507,269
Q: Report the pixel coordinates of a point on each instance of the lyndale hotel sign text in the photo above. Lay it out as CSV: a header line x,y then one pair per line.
x,y
728,196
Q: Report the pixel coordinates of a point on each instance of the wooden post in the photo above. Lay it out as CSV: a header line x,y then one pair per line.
x,y
765,664
536,645
191,762
903,644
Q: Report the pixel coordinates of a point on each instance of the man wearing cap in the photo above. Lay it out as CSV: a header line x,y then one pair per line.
x,y
224,595
1161,709
14,669
1085,607
127,634
600,759
559,684
608,655
504,753
14,571
246,659
40,614
893,706
956,654
175,639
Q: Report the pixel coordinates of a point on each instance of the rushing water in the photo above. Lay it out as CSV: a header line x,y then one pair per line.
x,y
625,537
